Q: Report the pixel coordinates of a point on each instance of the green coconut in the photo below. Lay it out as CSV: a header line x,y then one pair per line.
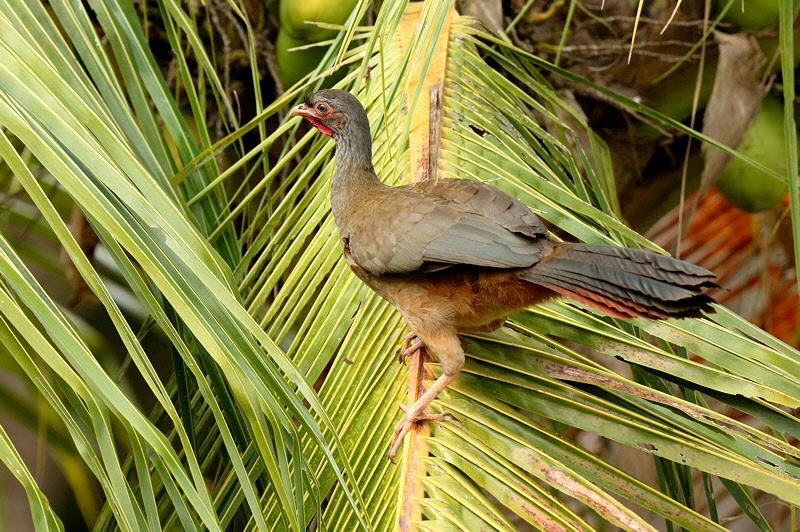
x,y
293,65
745,186
757,14
295,13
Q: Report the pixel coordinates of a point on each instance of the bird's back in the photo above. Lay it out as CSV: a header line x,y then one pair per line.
x,y
397,230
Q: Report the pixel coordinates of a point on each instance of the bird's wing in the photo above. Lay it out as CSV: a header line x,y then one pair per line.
x,y
444,222
485,200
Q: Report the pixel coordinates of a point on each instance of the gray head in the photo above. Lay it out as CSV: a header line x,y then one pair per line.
x,y
340,115
336,113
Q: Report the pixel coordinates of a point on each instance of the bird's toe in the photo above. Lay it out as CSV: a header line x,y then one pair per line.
x,y
408,348
400,431
405,424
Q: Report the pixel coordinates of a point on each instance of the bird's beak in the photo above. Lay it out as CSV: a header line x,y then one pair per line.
x,y
311,115
301,110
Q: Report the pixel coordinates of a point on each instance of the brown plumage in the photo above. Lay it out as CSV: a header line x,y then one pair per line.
x,y
457,255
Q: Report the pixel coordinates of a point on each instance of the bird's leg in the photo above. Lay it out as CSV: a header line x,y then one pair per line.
x,y
417,413
444,342
408,349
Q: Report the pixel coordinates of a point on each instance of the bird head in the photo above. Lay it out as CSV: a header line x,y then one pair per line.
x,y
335,113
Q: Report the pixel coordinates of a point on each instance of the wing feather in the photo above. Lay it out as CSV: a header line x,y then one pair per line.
x,y
447,221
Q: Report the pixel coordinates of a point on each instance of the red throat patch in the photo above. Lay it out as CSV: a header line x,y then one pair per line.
x,y
325,130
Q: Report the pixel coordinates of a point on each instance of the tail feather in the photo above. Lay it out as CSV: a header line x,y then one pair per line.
x,y
613,307
626,282
620,280
610,290
664,267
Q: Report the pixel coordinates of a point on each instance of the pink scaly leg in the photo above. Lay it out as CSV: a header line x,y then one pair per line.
x,y
417,413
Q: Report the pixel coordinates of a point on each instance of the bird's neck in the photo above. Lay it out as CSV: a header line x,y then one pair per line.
x,y
354,174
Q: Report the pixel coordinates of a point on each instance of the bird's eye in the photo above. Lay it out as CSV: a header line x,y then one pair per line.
x,y
322,107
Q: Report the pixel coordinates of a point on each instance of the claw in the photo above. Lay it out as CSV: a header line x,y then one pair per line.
x,y
429,417
407,349
417,413
405,424
400,431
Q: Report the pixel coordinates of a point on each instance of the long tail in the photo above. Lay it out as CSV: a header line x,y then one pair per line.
x,y
626,282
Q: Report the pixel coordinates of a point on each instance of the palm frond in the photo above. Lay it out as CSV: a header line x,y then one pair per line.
x,y
111,158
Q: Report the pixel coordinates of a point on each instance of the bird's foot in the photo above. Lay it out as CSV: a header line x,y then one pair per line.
x,y
412,415
408,349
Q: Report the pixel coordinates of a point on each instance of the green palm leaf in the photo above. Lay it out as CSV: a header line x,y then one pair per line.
x,y
111,167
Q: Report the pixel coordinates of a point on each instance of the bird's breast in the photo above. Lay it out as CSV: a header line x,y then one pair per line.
x,y
468,298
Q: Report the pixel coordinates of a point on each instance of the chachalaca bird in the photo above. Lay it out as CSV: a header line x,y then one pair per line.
x,y
458,255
